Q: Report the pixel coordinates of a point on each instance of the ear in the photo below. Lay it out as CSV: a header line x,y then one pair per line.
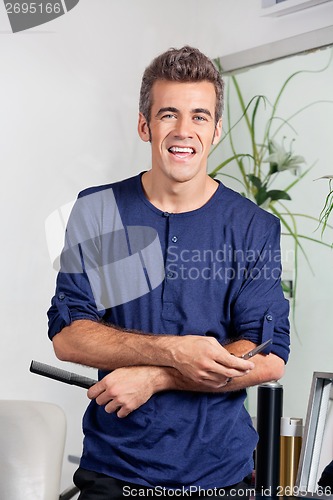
x,y
217,132
143,128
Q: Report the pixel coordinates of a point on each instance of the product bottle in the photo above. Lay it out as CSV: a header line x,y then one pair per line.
x,y
269,412
290,450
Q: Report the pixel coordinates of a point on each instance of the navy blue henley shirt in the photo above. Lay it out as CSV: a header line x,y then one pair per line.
x,y
214,271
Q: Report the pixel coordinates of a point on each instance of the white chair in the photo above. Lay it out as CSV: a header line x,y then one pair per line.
x,y
32,440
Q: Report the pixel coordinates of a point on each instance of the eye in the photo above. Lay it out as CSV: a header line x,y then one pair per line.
x,y
200,118
168,116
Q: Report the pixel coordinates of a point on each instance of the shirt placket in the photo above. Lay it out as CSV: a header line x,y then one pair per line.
x,y
170,306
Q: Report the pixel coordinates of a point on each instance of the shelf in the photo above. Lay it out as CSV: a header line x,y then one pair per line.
x,y
273,9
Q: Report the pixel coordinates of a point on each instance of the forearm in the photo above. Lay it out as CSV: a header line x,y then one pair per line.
x,y
126,389
199,358
267,368
107,348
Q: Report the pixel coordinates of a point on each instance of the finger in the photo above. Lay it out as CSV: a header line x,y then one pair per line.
x,y
218,378
227,368
95,390
236,363
104,398
236,373
112,406
123,412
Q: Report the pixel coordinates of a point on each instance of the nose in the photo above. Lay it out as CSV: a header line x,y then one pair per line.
x,y
183,128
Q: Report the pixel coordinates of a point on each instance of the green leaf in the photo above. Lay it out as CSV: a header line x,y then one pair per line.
x,y
278,194
255,180
328,207
225,162
222,174
261,196
273,168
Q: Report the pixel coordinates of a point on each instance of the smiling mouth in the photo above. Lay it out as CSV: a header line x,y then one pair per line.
x,y
181,152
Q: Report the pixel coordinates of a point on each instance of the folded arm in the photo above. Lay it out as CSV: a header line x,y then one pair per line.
x,y
198,358
126,389
143,365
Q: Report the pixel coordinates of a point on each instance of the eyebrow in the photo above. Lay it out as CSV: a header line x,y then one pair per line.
x,y
202,110
168,108
175,110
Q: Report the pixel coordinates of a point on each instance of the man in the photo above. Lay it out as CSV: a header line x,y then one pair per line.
x,y
167,332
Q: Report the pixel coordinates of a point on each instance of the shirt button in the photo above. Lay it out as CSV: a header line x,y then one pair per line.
x,y
61,296
169,274
269,317
174,239
166,214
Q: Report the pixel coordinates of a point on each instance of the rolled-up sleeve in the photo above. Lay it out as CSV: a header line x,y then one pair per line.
x,y
261,310
74,298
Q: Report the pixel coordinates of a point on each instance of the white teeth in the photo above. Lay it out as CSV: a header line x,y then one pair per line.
x,y
176,149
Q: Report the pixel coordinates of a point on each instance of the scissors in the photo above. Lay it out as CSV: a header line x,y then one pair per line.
x,y
256,350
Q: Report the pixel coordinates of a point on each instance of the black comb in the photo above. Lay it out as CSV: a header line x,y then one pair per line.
x,y
61,375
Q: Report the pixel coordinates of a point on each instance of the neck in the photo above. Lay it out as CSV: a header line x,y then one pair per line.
x,y
179,197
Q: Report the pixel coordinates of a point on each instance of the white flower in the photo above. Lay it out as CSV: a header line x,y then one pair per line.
x,y
280,159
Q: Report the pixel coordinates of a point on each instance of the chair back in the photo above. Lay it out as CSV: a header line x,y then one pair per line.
x,y
32,440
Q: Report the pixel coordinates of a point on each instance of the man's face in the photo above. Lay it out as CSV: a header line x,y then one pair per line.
x,y
181,129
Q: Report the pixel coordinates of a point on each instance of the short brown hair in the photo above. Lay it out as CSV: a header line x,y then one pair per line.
x,y
180,65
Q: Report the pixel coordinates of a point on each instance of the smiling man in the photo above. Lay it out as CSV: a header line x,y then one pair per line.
x,y
181,129
167,416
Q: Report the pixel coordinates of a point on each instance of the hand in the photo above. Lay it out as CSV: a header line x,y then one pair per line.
x,y
125,389
204,360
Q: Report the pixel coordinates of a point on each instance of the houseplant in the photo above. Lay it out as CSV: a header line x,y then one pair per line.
x,y
328,206
267,168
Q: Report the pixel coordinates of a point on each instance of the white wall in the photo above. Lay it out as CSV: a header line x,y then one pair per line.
x,y
68,101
